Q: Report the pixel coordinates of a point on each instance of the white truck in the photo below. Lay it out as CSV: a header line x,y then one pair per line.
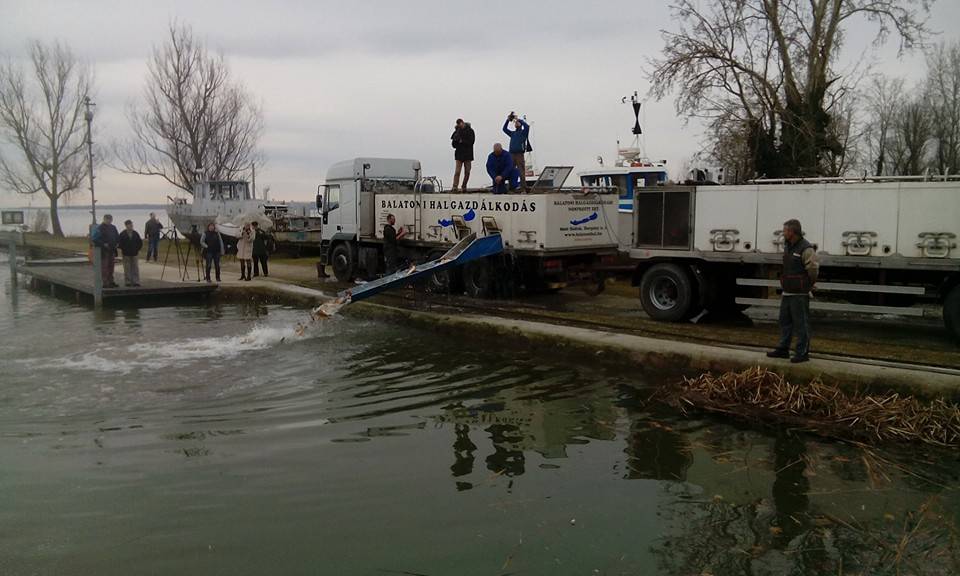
x,y
551,235
883,245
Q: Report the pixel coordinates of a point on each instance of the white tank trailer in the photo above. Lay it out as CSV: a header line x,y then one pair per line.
x,y
551,235
883,245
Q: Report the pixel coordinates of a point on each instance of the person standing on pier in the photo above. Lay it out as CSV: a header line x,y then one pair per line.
x,y
261,249
518,144
462,140
501,169
213,249
130,244
800,271
245,252
106,237
151,231
391,247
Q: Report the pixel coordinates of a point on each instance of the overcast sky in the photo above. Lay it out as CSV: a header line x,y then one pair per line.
x,y
344,79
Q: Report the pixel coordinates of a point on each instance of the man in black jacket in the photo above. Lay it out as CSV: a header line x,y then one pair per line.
x,y
462,140
106,237
261,249
800,272
130,244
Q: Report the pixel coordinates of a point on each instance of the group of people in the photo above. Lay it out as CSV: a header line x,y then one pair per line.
x,y
506,168
253,249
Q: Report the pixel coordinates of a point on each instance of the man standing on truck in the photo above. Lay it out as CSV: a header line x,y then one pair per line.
x,y
501,169
518,144
391,249
462,140
800,271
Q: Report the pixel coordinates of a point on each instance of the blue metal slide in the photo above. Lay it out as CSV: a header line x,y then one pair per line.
x,y
470,248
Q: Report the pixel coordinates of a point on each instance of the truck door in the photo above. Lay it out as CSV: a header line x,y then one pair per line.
x,y
330,211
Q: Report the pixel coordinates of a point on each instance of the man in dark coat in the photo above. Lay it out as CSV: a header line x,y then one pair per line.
x,y
130,244
261,249
502,171
106,238
391,248
462,140
151,231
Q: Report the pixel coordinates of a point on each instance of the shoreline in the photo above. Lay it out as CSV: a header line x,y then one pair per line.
x,y
671,350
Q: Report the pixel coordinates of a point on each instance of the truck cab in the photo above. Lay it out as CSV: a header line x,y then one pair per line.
x,y
346,198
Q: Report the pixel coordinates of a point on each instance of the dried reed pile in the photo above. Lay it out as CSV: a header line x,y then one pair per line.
x,y
757,393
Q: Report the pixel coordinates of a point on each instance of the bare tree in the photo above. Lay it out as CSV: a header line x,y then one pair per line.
x,y
911,138
943,96
769,64
882,103
42,121
193,116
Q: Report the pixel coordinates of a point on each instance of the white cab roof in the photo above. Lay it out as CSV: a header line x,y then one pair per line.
x,y
391,168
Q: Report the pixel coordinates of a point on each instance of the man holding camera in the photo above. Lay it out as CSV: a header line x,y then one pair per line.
x,y
462,140
518,144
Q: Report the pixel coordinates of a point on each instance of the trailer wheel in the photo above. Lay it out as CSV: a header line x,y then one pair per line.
x,y
342,261
478,279
951,312
666,293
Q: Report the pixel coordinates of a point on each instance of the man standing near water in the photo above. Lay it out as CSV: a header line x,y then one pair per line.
x,y
151,231
130,244
462,140
106,237
391,248
800,271
213,249
260,249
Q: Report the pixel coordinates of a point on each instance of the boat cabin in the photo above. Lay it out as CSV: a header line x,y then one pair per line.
x,y
222,191
629,174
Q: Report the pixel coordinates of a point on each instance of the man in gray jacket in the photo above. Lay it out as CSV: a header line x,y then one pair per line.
x,y
800,271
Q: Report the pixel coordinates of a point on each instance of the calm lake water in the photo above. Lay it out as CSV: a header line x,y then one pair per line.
x,y
212,440
75,220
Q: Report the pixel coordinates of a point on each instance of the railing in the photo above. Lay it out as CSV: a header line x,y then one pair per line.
x,y
848,180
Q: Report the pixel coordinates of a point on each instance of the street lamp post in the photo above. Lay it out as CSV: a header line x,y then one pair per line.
x,y
89,117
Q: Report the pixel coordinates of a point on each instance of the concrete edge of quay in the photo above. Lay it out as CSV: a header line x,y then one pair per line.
x,y
632,351
682,358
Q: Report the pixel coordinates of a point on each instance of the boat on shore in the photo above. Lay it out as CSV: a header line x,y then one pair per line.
x,y
229,204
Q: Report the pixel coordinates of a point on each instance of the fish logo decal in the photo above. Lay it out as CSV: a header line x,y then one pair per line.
x,y
470,215
589,218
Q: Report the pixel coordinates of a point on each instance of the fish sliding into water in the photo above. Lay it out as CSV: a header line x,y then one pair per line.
x,y
323,311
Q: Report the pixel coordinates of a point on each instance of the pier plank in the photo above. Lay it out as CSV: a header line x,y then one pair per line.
x,y
79,277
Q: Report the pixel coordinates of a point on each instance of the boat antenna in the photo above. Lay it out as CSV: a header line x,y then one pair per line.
x,y
635,101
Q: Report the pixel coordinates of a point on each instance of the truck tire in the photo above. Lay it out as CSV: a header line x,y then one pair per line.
x,y
667,293
951,312
344,268
478,279
446,281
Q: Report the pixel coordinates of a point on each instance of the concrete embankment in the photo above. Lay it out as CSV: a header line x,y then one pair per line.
x,y
681,358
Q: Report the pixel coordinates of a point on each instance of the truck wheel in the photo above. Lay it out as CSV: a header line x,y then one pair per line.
x,y
666,293
445,281
342,262
951,312
478,279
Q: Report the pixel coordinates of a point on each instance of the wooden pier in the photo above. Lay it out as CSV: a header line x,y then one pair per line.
x,y
77,275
